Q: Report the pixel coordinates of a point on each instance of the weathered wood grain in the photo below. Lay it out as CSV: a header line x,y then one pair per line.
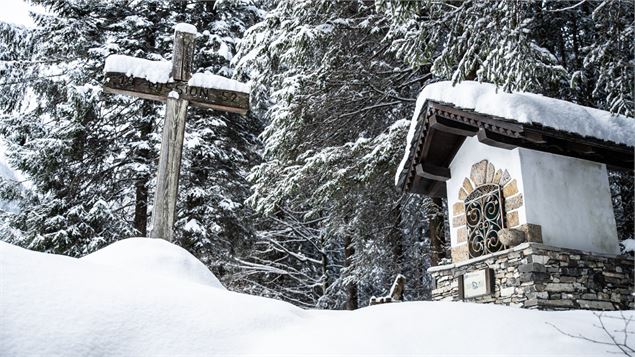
x,y
235,102
169,169
164,210
183,54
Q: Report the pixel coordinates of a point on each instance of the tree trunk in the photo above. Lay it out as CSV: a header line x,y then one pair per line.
x,y
325,267
141,183
437,236
143,155
351,289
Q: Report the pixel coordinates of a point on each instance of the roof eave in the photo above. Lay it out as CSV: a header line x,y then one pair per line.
x,y
442,129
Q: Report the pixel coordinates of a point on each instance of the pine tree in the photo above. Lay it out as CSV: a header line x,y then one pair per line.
x,y
213,222
573,50
333,232
91,158
59,138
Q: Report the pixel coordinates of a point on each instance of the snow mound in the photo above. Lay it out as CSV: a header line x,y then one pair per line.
x,y
156,257
53,305
486,98
153,71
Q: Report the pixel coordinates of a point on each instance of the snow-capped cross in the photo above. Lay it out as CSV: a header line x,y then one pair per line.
x,y
173,83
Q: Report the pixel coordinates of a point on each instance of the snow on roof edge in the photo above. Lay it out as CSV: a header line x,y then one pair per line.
x,y
486,98
411,133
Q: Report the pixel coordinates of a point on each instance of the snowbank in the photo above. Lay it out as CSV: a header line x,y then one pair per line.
x,y
522,107
156,257
153,71
208,80
107,304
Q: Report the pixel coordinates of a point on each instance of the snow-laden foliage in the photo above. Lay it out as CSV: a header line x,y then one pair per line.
x,y
213,222
333,102
57,135
572,50
91,158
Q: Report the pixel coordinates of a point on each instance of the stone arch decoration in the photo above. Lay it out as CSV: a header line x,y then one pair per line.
x,y
490,189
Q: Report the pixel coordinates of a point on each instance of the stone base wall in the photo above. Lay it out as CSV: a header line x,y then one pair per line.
x,y
536,276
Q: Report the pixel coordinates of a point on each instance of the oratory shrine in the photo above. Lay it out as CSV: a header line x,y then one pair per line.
x,y
526,181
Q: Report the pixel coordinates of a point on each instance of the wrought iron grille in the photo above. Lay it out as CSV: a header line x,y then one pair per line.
x,y
484,215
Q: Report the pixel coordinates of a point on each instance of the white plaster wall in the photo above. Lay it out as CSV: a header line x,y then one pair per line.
x,y
471,152
571,200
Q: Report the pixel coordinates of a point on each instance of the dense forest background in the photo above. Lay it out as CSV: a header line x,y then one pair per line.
x,y
295,200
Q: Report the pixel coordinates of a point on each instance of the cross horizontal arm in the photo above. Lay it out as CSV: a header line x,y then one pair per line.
x,y
225,100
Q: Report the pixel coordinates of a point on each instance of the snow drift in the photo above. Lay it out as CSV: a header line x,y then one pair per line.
x,y
156,257
147,297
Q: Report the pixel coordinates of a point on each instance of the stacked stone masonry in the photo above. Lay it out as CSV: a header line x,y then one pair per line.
x,y
536,276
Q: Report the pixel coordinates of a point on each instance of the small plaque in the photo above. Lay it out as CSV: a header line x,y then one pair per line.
x,y
476,283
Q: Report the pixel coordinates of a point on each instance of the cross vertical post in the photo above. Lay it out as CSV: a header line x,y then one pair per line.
x,y
164,210
176,85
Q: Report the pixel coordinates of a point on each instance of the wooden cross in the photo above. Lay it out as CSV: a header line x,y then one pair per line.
x,y
131,76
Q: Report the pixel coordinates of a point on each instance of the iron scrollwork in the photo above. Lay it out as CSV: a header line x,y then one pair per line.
x,y
484,215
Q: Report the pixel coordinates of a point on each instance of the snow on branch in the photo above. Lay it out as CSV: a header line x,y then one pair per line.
x,y
568,7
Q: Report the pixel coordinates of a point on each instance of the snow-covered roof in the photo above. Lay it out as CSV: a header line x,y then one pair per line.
x,y
153,71
124,301
524,108
208,80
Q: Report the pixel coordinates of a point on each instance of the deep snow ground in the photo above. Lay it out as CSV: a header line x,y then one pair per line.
x,y
147,297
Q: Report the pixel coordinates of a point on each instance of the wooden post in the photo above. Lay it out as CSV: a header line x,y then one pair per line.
x,y
178,94
183,54
164,211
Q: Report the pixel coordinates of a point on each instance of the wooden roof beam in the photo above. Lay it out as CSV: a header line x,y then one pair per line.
x,y
451,126
496,140
432,172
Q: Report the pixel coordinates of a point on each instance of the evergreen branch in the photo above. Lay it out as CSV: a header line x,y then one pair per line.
x,y
376,106
568,7
392,95
32,79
